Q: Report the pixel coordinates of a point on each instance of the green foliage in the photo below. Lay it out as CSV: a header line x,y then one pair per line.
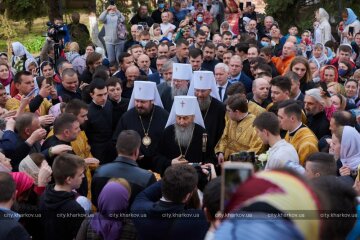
x,y
302,14
34,44
25,9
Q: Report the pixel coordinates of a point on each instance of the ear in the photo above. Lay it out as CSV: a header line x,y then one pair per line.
x,y
17,85
91,94
68,180
66,132
27,131
317,174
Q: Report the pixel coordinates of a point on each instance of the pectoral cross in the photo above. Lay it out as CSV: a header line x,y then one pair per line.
x,y
140,89
201,77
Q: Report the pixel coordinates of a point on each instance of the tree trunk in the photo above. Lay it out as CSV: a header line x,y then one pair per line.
x,y
55,9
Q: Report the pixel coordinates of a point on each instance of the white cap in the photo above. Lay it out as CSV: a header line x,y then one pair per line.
x,y
182,71
145,90
204,80
185,106
316,94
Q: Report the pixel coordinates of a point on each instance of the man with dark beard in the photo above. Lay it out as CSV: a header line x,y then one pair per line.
x,y
146,116
203,86
178,86
183,140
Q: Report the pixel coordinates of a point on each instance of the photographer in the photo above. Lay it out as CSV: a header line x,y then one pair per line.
x,y
115,32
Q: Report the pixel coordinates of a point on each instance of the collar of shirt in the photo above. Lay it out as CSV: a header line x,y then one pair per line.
x,y
223,86
102,106
233,79
296,98
296,128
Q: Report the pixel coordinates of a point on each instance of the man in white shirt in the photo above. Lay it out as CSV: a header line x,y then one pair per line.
x,y
281,153
167,28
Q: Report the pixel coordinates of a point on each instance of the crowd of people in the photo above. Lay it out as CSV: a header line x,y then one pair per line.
x,y
128,139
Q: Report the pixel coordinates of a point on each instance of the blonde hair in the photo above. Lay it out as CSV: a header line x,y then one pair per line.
x,y
337,86
74,47
123,182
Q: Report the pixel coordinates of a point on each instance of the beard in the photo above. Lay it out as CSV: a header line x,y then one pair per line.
x,y
204,103
183,135
179,91
143,111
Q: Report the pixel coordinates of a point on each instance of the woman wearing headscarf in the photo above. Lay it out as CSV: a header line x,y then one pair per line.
x,y
351,20
73,56
108,224
318,54
155,33
20,55
323,31
328,74
225,26
6,76
27,199
345,146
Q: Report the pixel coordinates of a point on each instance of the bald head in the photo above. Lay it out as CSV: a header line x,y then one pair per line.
x,y
143,62
288,49
260,89
235,65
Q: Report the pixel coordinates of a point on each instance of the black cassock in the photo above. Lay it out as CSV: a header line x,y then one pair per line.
x,y
169,149
214,120
131,121
165,95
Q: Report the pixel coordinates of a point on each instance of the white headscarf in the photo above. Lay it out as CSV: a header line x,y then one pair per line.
x,y
19,50
350,148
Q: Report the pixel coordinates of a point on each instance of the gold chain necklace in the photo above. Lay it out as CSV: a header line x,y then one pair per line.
x,y
146,140
183,155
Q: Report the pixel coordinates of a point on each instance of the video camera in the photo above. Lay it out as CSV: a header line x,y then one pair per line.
x,y
55,32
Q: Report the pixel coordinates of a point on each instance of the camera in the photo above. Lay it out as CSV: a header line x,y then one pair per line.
x,y
55,32
112,2
243,156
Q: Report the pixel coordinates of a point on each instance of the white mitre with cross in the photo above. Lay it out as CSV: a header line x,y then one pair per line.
x,y
204,80
185,106
145,90
182,71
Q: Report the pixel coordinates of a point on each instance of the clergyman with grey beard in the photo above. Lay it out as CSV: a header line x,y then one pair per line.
x,y
182,140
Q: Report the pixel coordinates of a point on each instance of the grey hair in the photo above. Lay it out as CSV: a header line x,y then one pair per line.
x,y
167,66
223,66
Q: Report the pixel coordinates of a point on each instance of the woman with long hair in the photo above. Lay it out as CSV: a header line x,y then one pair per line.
x,y
300,66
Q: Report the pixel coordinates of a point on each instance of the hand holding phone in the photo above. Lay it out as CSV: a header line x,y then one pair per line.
x,y
31,93
233,174
351,31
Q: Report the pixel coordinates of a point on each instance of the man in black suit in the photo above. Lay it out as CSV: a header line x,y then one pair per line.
x,y
124,166
157,77
222,79
163,201
237,74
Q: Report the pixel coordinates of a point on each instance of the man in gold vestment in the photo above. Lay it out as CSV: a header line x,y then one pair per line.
x,y
239,133
299,135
